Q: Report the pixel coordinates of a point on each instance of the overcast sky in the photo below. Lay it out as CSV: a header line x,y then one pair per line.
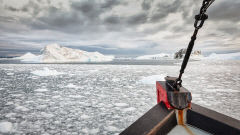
x,y
126,27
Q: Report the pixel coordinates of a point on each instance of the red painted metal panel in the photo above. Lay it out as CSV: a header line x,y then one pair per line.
x,y
162,95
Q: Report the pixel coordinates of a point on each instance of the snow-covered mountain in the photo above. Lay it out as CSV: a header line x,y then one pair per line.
x,y
154,56
55,53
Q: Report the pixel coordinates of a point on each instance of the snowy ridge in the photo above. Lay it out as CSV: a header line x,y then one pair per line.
x,y
227,56
55,53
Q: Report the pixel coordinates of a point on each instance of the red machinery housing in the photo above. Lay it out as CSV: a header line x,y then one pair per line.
x,y
171,97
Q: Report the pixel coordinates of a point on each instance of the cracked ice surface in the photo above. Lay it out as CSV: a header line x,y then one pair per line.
x,y
103,99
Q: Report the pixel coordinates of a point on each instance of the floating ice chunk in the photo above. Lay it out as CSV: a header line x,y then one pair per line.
x,y
129,109
75,96
5,127
47,115
94,131
70,85
120,104
9,115
84,116
58,96
221,90
41,90
111,128
10,74
1,88
46,72
9,103
21,108
85,130
152,79
42,106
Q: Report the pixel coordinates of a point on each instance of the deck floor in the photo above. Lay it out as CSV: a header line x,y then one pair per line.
x,y
187,130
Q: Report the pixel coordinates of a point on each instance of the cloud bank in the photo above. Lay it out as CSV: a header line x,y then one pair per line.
x,y
117,26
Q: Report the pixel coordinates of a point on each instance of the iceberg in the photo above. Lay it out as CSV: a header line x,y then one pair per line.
x,y
29,57
55,53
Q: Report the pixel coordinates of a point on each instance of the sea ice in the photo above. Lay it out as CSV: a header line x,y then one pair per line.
x,y
121,104
84,116
10,73
9,115
41,90
129,109
5,127
47,115
58,96
105,102
94,131
21,108
70,85
111,128
152,79
46,72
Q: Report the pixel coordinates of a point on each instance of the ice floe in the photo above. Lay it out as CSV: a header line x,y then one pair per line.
x,y
111,128
121,104
21,108
152,79
5,126
46,72
129,109
70,85
40,90
84,116
93,131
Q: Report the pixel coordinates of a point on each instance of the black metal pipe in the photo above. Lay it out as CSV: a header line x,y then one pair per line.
x,y
188,53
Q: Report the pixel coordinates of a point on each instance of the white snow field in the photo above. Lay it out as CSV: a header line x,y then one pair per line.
x,y
103,99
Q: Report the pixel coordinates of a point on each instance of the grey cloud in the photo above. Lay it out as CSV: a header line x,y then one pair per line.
x,y
112,20
12,8
139,18
7,19
162,10
225,11
146,4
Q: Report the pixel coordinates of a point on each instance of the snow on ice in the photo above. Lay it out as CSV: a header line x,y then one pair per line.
x,y
5,127
41,90
120,104
152,79
46,72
